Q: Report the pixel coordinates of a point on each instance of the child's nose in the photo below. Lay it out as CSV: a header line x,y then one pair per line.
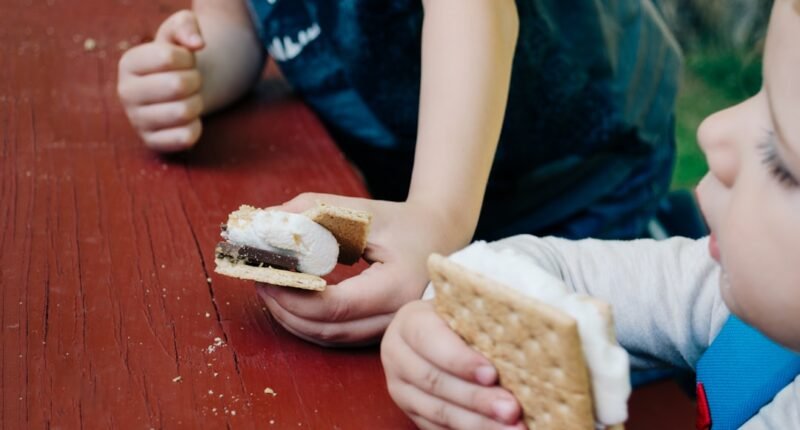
x,y
717,137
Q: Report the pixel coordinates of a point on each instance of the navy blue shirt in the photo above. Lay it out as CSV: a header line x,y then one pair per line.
x,y
587,142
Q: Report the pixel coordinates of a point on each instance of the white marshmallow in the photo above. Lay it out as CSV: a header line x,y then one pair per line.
x,y
286,233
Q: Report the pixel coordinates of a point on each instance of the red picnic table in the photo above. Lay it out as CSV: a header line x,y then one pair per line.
x,y
111,314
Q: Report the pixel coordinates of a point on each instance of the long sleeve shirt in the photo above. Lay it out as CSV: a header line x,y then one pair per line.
x,y
665,298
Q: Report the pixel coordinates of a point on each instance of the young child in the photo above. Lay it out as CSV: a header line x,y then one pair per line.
x,y
727,306
583,119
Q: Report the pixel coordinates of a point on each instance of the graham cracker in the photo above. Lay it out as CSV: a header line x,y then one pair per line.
x,y
269,275
350,227
536,348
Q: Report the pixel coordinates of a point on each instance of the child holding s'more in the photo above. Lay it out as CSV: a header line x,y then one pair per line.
x,y
479,117
726,306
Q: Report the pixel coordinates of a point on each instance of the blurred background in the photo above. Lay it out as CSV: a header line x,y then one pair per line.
x,y
722,42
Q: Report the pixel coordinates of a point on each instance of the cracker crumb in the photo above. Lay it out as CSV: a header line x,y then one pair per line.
x,y
208,315
269,390
217,343
272,421
210,391
89,44
233,413
176,379
208,280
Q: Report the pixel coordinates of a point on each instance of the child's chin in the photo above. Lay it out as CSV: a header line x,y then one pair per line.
x,y
727,293
794,344
784,335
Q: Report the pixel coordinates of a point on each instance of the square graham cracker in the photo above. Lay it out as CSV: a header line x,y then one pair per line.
x,y
535,347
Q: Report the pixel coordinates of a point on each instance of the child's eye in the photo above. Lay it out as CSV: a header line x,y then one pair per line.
x,y
775,164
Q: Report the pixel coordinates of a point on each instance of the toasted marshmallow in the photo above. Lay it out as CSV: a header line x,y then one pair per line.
x,y
295,235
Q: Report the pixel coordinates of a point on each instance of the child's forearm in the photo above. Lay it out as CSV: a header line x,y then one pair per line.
x,y
233,59
467,52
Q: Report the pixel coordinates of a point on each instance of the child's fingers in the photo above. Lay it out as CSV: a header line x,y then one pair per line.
x,y
166,115
182,28
322,332
304,201
155,57
449,351
355,298
493,402
174,139
445,414
425,424
299,203
159,87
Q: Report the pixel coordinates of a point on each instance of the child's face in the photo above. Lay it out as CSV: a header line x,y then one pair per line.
x,y
751,196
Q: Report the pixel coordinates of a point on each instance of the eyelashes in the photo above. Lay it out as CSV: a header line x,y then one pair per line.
x,y
774,163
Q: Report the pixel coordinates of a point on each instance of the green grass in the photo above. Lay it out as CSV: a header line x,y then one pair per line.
x,y
712,80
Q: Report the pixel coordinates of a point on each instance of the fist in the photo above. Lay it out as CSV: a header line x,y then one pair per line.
x,y
159,85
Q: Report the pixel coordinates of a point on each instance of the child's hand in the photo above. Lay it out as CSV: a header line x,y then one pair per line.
x,y
438,380
159,85
359,309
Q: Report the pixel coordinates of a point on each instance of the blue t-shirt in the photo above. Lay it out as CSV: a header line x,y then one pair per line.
x,y
587,143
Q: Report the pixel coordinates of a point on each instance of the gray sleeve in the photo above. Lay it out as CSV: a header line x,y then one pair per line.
x,y
782,413
664,294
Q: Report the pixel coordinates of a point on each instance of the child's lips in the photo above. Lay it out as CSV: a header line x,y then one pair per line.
x,y
713,248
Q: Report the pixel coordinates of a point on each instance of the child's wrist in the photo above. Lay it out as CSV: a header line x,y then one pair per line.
x,y
456,223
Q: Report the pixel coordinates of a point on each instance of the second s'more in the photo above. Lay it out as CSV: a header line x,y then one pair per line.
x,y
554,350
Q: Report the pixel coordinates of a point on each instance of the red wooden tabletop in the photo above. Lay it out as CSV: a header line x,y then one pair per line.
x,y
111,313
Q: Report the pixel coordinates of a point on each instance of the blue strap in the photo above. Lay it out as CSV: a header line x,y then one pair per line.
x,y
741,372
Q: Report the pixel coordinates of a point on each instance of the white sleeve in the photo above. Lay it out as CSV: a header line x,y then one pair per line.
x,y
782,413
664,294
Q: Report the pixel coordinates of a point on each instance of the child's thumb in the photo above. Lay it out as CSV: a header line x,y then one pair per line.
x,y
182,28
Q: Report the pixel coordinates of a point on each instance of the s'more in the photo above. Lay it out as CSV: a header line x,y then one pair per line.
x,y
291,249
554,350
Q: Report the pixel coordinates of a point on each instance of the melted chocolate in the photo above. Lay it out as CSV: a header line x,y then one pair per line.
x,y
254,256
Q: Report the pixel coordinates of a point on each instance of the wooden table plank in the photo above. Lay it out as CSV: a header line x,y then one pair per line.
x,y
111,313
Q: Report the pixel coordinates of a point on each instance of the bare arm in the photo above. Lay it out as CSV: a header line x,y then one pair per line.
x,y
467,52
233,58
468,46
